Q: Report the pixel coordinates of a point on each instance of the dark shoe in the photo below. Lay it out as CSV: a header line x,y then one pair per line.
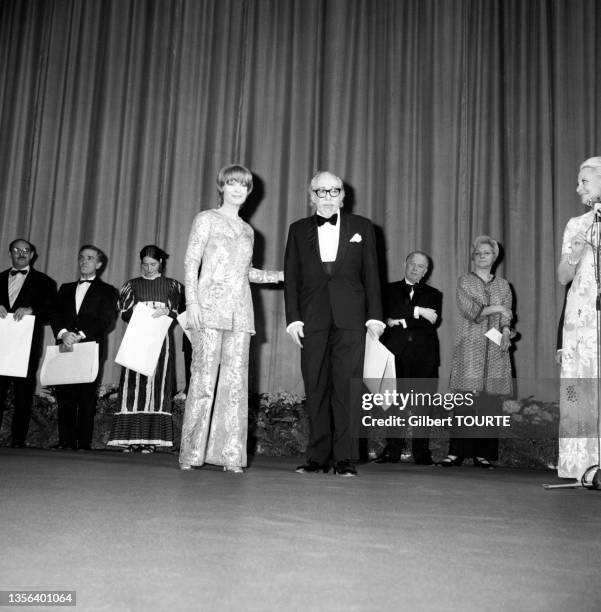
x,y
386,458
450,461
345,468
423,461
481,462
312,467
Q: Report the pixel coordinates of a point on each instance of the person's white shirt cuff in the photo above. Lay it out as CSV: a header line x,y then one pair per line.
x,y
293,323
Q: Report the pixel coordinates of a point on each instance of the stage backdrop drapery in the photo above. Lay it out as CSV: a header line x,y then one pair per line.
x,y
446,119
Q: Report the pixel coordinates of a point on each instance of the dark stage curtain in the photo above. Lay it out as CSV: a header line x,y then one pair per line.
x,y
446,118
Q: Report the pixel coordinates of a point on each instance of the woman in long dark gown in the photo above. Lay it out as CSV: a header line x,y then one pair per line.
x,y
144,419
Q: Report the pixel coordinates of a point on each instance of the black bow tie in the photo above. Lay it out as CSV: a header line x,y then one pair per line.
x,y
322,220
13,272
84,280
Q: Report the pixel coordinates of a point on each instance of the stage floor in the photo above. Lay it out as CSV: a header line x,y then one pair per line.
x,y
133,532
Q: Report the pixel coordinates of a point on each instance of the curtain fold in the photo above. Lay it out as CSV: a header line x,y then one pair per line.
x,y
446,119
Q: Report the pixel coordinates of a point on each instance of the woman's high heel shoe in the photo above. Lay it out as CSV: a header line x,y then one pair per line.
x,y
451,461
233,468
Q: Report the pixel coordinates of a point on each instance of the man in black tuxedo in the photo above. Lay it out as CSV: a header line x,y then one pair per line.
x,y
85,310
413,311
332,294
24,291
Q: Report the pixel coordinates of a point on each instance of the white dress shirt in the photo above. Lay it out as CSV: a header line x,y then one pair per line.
x,y
329,236
15,284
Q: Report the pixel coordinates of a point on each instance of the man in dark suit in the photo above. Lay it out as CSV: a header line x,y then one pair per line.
x,y
24,291
85,310
413,311
332,293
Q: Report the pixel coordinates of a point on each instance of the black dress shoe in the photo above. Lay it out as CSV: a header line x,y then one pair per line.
x,y
450,462
423,461
345,468
386,458
312,467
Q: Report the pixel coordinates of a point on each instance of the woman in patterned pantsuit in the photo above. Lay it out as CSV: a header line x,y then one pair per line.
x,y
220,314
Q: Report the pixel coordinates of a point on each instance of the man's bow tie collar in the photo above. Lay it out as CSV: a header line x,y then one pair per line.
x,y
84,280
14,272
322,220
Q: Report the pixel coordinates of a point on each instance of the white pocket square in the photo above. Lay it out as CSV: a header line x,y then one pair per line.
x,y
356,238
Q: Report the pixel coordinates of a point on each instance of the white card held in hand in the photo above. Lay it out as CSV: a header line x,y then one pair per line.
x,y
143,340
495,335
16,345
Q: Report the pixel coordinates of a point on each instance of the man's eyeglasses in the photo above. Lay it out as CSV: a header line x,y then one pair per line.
x,y
333,193
18,251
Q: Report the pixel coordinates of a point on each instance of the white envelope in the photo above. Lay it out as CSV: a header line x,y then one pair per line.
x,y
182,319
143,340
71,367
16,345
379,370
494,335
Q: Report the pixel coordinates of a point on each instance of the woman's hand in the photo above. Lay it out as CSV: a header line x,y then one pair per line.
x,y
497,309
577,243
505,340
160,312
193,316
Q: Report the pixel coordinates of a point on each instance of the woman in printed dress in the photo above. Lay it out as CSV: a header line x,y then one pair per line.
x,y
578,403
480,366
144,419
220,315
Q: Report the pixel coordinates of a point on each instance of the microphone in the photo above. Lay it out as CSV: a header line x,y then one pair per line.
x,y
595,204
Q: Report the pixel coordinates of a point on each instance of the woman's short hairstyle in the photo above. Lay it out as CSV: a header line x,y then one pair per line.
x,y
152,250
592,162
491,242
234,172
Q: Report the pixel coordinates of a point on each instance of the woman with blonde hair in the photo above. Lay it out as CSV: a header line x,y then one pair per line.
x,y
220,314
578,404
480,366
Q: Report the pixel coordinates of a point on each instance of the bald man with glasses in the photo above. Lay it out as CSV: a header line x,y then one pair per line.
x,y
332,294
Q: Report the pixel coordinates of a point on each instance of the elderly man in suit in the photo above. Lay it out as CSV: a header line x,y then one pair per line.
x,y
413,311
332,294
24,291
85,310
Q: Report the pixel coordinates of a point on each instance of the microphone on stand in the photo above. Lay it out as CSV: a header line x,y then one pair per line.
x,y
595,204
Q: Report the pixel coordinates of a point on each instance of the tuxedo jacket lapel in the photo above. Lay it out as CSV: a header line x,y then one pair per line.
x,y
25,288
4,281
313,242
89,297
